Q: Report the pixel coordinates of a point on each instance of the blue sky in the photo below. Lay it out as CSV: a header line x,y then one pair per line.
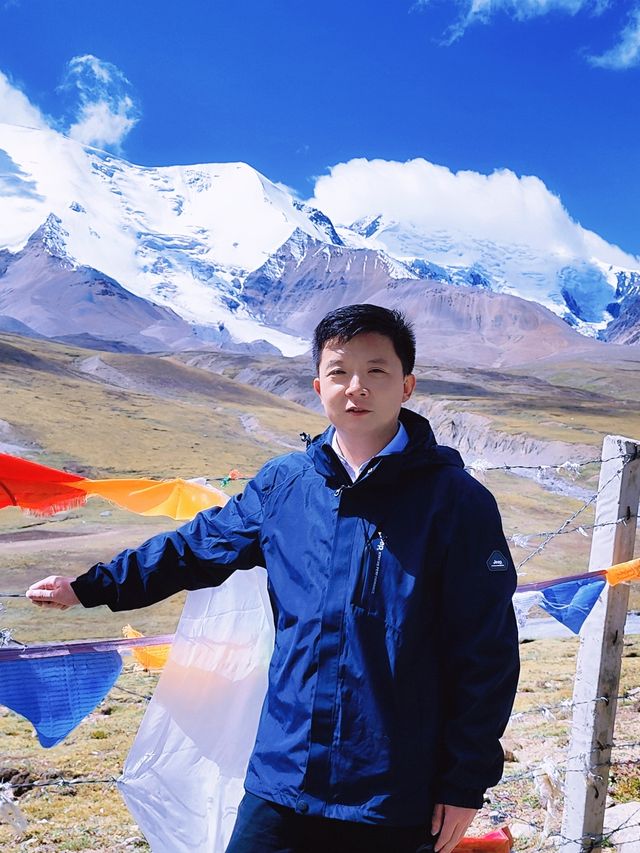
x,y
542,87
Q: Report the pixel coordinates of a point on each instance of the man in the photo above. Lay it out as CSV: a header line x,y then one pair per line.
x,y
395,661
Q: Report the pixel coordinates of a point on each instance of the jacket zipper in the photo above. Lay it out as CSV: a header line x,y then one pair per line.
x,y
376,573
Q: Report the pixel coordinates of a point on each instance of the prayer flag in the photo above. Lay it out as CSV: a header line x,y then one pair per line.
x,y
184,776
621,572
37,488
46,491
498,841
572,601
56,693
152,657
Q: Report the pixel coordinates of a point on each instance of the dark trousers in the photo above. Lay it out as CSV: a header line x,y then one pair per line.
x,y
266,827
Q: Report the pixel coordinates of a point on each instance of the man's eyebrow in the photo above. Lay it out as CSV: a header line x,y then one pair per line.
x,y
338,361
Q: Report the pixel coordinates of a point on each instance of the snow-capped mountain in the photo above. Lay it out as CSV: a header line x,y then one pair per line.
x,y
183,237
295,286
93,247
588,290
43,294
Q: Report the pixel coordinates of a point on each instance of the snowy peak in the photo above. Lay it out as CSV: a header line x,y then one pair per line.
x,y
305,274
183,237
51,237
368,226
323,223
586,293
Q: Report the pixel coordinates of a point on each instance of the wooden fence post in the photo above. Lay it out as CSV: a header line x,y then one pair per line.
x,y
600,653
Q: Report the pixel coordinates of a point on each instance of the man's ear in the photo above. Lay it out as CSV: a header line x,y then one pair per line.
x,y
409,386
316,386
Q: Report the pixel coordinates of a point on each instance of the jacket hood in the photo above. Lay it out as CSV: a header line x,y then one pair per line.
x,y
422,449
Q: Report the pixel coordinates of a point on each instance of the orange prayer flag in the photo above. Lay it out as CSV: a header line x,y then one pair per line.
x,y
178,499
46,491
153,657
623,572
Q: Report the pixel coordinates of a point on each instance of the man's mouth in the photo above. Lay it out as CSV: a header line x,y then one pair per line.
x,y
354,410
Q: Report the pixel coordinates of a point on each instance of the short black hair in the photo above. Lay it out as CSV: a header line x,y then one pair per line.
x,y
345,323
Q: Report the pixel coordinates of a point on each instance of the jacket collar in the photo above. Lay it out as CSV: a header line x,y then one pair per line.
x,y
422,450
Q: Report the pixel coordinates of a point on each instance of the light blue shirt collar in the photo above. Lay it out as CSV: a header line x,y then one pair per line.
x,y
396,445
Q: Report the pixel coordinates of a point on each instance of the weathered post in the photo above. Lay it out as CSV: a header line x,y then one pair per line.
x,y
600,653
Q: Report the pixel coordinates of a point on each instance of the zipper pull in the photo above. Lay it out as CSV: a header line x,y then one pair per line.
x,y
379,549
339,491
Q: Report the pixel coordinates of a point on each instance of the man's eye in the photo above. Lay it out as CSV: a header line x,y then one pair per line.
x,y
335,372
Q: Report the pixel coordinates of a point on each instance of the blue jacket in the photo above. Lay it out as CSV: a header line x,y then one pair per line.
x,y
396,659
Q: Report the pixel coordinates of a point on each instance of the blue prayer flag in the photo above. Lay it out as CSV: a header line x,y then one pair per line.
x,y
57,693
571,602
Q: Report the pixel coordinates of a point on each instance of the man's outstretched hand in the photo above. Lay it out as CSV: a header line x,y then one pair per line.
x,y
54,591
450,823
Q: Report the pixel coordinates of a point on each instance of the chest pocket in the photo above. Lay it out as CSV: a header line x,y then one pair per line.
x,y
387,581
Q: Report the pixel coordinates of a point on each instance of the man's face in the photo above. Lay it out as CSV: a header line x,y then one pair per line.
x,y
362,385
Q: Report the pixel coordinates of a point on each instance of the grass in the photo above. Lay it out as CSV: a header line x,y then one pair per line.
x,y
577,406
190,425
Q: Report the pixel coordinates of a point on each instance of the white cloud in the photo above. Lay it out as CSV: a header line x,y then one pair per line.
x,y
502,207
626,53
481,11
107,110
16,108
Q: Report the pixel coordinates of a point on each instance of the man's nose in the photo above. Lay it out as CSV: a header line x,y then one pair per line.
x,y
356,387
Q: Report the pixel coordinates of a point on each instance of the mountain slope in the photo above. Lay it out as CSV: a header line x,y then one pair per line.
x,y
182,237
50,296
586,286
137,415
460,324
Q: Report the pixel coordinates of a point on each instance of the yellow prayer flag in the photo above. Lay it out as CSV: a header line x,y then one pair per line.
x,y
623,572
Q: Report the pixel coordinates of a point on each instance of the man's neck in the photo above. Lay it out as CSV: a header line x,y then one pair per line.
x,y
357,449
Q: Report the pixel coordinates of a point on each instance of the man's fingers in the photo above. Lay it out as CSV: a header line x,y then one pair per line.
x,y
40,594
46,583
54,592
436,820
455,822
446,837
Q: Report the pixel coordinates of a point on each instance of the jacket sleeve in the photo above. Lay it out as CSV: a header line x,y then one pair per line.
x,y
202,553
480,650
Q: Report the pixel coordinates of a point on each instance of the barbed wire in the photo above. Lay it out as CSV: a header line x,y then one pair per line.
x,y
567,522
519,539
62,782
131,692
593,840
533,773
6,638
568,465
569,704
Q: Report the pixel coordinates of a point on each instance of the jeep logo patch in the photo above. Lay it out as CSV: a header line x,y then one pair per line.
x,y
497,562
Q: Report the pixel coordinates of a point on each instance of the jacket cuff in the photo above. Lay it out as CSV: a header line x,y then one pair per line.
x,y
466,798
91,590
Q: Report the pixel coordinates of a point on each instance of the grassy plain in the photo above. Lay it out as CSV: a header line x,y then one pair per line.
x,y
105,414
